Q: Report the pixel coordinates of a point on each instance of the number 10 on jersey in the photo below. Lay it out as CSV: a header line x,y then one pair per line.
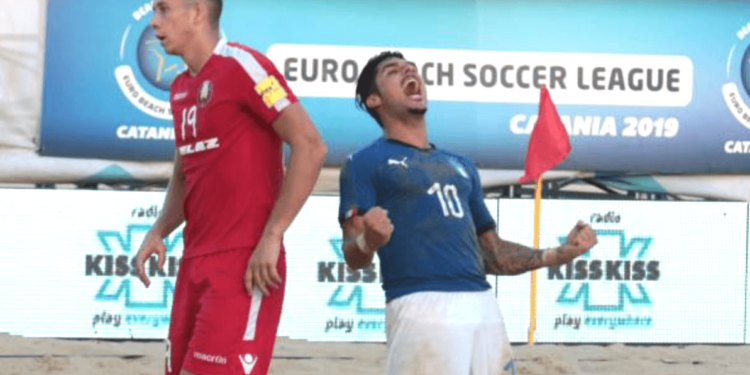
x,y
448,197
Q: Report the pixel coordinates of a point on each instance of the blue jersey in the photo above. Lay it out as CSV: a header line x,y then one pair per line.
x,y
435,201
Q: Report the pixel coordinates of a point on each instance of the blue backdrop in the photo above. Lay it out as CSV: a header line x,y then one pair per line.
x,y
106,81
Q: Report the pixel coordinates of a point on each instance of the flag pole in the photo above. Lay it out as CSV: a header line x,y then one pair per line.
x,y
549,145
537,215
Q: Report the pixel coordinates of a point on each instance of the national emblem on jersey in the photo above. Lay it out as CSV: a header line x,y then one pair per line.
x,y
204,95
270,90
459,168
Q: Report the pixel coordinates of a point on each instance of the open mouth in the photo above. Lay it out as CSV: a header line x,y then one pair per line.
x,y
412,88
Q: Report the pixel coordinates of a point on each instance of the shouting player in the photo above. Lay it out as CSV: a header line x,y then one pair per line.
x,y
421,209
232,111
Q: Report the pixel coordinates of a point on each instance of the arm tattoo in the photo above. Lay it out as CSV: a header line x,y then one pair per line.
x,y
508,258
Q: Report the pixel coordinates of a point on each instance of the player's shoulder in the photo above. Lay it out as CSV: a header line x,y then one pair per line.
x,y
459,157
460,161
368,155
245,56
230,47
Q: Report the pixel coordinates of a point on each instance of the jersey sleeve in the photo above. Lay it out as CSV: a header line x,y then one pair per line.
x,y
356,190
268,93
483,220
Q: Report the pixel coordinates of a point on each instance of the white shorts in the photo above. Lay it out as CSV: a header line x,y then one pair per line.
x,y
447,333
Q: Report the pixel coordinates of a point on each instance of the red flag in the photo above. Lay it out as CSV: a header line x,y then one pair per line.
x,y
549,143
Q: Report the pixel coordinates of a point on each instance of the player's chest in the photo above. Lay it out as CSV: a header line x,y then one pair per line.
x,y
203,107
401,175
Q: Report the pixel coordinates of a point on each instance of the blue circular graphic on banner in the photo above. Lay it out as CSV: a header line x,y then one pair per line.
x,y
745,70
159,68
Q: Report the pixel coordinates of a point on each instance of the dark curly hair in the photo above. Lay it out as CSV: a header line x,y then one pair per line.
x,y
366,82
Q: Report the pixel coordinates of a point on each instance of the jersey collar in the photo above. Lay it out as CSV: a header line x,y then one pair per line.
x,y
220,45
396,141
218,50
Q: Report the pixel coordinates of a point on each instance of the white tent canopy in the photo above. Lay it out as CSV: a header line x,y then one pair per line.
x,y
22,35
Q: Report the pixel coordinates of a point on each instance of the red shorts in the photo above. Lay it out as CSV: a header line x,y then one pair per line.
x,y
216,327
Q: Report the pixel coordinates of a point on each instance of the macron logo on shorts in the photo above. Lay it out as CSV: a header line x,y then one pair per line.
x,y
248,362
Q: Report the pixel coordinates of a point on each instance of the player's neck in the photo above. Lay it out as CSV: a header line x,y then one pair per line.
x,y
202,48
413,132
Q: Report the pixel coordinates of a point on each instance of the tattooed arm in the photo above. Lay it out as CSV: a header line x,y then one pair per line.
x,y
508,258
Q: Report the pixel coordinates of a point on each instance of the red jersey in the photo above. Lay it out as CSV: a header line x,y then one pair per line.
x,y
231,156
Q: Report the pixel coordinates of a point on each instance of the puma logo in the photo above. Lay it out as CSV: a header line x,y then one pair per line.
x,y
398,162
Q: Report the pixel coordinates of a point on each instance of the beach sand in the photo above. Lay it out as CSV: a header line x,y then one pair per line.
x,y
31,356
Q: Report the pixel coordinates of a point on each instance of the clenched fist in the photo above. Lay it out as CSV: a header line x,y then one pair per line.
x,y
377,229
580,240
582,237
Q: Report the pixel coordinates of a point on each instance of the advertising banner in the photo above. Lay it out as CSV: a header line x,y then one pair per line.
x,y
639,94
82,282
67,265
662,272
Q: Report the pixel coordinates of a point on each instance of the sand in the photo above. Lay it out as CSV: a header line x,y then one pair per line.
x,y
27,356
